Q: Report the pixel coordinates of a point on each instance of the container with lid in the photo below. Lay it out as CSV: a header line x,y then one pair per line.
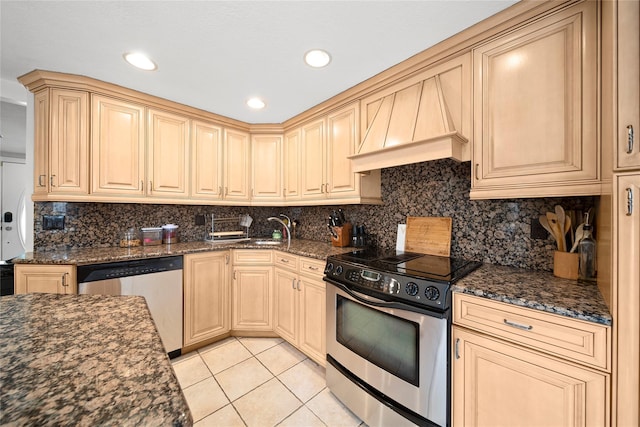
x,y
170,233
151,236
130,239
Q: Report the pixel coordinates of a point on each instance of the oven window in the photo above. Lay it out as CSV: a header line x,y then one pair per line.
x,y
389,342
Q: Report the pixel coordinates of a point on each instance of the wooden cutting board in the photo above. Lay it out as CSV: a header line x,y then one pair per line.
x,y
428,235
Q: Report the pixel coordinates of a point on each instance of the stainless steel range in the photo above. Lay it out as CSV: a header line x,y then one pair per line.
x,y
388,329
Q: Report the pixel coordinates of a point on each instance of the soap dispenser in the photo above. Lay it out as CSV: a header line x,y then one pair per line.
x,y
587,254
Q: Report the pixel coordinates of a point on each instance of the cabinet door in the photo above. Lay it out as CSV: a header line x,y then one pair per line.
x,y
69,149
252,298
628,152
342,137
168,154
312,338
497,384
117,147
314,185
627,277
207,307
39,278
41,143
236,165
535,109
266,163
291,165
206,161
285,318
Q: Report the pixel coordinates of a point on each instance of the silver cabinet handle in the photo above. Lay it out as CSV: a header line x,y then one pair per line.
x,y
40,184
220,190
518,325
457,348
286,261
298,284
226,259
142,185
629,201
322,188
51,180
64,280
629,139
234,274
326,187
477,167
226,190
293,283
284,192
151,186
314,268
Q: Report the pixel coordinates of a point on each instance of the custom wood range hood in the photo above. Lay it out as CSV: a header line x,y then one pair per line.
x,y
423,118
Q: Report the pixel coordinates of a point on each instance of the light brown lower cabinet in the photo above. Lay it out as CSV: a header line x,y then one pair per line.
x,y
299,304
252,291
500,384
43,278
207,305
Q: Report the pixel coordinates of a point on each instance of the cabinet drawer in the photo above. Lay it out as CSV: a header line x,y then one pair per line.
x,y
252,257
572,339
312,267
285,260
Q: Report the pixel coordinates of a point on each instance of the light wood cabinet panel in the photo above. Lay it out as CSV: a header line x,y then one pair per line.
x,y
313,318
168,154
627,279
342,137
252,257
266,163
69,151
236,166
207,302
41,143
43,278
285,319
585,342
313,165
291,177
497,384
61,143
628,38
535,109
206,161
117,147
252,298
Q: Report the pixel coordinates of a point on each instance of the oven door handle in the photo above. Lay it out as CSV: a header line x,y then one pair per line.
x,y
366,299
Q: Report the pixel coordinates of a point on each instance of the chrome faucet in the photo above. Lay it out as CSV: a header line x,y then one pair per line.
x,y
273,218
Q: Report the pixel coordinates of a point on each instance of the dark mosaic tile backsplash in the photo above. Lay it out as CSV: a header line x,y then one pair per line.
x,y
494,231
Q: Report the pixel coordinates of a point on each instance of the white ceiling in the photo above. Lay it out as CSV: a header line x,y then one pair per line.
x,y
214,55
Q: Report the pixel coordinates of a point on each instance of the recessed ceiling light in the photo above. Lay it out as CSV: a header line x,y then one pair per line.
x,y
256,103
140,60
317,58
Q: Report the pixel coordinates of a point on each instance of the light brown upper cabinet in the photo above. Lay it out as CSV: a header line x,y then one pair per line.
x,y
628,152
313,165
168,155
342,137
425,116
291,168
61,143
206,161
266,162
236,166
117,147
535,109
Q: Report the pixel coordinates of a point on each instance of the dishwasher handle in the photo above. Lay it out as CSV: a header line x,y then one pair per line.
x,y
115,270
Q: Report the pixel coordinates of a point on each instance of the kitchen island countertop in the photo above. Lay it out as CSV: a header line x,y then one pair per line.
x,y
85,360
539,290
307,248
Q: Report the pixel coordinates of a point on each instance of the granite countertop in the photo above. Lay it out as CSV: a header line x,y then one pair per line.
x,y
307,248
539,290
85,360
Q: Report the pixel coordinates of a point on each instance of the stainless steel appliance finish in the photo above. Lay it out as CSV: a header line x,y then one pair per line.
x,y
388,329
159,280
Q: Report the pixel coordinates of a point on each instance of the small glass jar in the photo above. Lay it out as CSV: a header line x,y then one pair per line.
x,y
276,235
130,239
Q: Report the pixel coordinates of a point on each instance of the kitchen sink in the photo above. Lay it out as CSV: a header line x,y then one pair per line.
x,y
267,242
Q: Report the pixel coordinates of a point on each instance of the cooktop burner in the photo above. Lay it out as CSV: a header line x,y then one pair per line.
x,y
412,264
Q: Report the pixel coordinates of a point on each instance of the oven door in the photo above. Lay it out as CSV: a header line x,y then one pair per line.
x,y
395,354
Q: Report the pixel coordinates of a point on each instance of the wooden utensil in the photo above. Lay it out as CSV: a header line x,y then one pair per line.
x,y
557,233
579,236
561,216
545,224
428,235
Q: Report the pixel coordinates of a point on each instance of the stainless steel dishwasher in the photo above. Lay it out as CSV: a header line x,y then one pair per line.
x,y
159,280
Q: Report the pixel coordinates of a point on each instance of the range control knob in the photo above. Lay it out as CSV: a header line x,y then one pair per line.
x,y
393,286
328,268
339,269
432,293
412,289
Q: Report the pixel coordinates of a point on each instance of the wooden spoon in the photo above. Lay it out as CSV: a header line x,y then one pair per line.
x,y
545,224
557,234
579,236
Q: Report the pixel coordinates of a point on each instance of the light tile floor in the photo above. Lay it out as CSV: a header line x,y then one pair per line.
x,y
258,382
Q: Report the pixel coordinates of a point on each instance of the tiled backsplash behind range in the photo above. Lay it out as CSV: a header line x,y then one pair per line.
x,y
494,231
